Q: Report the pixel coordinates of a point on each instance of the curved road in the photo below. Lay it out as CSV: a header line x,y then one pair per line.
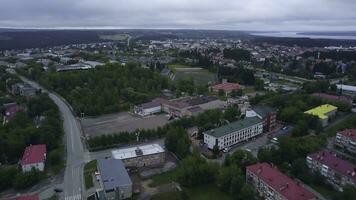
x,y
77,154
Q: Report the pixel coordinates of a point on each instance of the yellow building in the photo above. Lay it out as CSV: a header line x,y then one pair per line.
x,y
323,112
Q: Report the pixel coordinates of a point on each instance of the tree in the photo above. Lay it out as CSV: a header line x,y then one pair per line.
x,y
177,141
216,150
247,192
259,84
231,114
221,93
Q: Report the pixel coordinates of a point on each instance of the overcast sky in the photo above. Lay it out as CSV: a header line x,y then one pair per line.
x,y
294,15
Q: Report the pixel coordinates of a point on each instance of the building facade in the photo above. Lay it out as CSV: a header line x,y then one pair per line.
x,y
337,171
272,184
141,156
233,133
34,157
114,179
267,114
149,108
346,139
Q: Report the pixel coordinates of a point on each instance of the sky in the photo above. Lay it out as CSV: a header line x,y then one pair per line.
x,y
253,15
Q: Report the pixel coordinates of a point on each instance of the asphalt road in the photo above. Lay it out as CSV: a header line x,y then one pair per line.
x,y
77,154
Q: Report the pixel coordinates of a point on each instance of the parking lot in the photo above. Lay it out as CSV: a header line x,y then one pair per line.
x,y
120,122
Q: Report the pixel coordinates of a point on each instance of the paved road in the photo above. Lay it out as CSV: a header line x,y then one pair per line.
x,y
77,154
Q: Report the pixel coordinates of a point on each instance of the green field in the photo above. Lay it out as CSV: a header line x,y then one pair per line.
x,y
199,75
204,192
164,178
116,37
89,169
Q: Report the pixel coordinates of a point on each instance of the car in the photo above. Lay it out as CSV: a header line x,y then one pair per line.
x,y
57,190
274,140
226,150
249,150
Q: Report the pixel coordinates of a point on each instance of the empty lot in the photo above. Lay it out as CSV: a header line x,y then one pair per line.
x,y
119,122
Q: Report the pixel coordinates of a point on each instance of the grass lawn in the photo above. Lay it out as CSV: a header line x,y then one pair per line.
x,y
173,66
163,178
89,169
248,90
203,192
200,77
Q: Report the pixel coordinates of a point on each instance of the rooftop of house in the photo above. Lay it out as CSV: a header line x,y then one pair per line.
x,y
350,133
226,86
234,126
27,197
321,111
137,151
280,182
332,161
34,154
344,99
113,173
263,111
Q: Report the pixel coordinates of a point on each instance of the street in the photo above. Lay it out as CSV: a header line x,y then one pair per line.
x,y
77,154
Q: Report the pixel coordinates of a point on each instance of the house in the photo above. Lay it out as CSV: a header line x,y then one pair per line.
x,y
11,110
114,179
346,139
348,90
226,87
33,157
329,97
141,156
166,72
233,133
273,184
148,108
324,113
337,171
23,90
25,197
267,114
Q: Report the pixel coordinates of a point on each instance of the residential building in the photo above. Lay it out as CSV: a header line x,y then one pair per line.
x,y
11,110
114,179
226,87
25,197
267,114
23,90
348,90
272,184
324,113
337,171
148,108
346,139
233,133
141,156
33,157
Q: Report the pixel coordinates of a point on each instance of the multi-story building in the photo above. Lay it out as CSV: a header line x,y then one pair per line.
x,y
267,114
141,156
337,171
34,157
346,139
233,133
272,184
323,112
114,180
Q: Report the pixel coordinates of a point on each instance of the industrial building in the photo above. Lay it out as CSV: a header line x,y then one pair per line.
x,y
141,156
324,113
233,133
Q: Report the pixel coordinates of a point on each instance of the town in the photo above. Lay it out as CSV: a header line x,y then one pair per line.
x,y
189,118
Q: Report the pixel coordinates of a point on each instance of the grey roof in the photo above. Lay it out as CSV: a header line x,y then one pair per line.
x,y
151,104
234,126
113,173
263,111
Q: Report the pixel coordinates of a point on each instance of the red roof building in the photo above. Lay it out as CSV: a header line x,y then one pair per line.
x,y
337,171
330,97
226,87
27,197
272,183
33,157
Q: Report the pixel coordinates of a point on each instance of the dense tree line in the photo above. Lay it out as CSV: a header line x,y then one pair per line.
x,y
106,89
334,55
240,75
237,54
201,60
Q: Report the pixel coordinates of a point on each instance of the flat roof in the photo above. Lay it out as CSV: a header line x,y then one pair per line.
x,y
346,87
234,126
321,111
137,151
280,182
113,173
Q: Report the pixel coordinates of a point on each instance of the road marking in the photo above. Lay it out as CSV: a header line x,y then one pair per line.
x,y
74,197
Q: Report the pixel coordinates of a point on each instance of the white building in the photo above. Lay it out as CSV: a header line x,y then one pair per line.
x,y
34,157
148,108
141,156
233,133
347,89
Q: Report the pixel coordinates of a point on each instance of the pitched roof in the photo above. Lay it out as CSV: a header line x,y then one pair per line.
x,y
350,133
281,183
27,197
226,86
113,173
321,111
34,154
336,163
234,126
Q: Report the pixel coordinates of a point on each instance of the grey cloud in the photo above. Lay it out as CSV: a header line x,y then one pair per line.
x,y
205,14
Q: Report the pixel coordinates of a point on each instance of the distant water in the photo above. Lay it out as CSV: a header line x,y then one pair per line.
x,y
304,35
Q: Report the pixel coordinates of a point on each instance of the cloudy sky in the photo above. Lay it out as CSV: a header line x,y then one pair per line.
x,y
294,15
